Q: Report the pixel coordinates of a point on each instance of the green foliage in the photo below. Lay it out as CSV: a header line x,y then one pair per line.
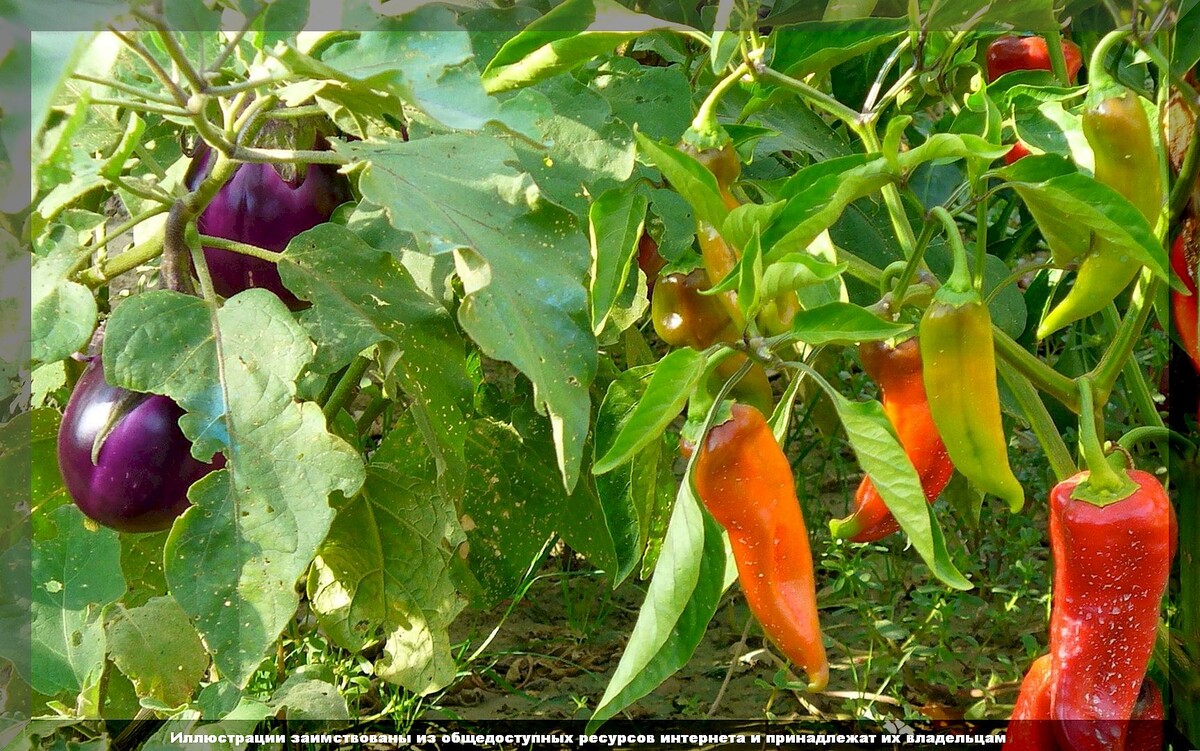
x,y
471,388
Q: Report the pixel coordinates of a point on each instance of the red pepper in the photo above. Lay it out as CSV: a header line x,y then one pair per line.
x,y
897,370
1111,564
1011,53
745,481
1018,151
649,260
1146,730
1029,727
1183,307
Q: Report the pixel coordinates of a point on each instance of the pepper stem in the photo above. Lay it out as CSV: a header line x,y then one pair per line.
x,y
1104,485
1098,76
960,278
706,132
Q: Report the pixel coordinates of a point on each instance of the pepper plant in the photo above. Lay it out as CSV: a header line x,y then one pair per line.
x,y
340,334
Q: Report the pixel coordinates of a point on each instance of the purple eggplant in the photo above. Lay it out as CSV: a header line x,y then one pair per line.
x,y
257,206
144,468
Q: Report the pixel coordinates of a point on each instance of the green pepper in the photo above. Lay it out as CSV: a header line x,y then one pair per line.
x,y
960,379
1119,132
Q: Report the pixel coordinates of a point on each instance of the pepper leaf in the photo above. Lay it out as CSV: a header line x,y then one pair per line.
x,y
883,459
616,220
675,378
1074,211
683,595
686,175
843,322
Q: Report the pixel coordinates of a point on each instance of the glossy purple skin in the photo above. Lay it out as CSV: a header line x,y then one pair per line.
x,y
260,208
145,467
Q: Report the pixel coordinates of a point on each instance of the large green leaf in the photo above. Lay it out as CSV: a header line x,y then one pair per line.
x,y
383,572
63,313
362,296
576,142
523,262
75,573
157,648
423,57
234,556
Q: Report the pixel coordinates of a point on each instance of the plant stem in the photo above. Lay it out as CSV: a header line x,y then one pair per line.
x,y
891,198
914,262
130,104
233,43
139,254
245,249
1098,75
345,387
128,226
862,270
295,113
248,122
1111,364
1135,380
276,156
877,85
146,94
818,98
1058,61
148,195
1101,475
174,50
1155,433
1059,456
1046,378
1181,191
172,269
705,123
373,410
960,277
981,241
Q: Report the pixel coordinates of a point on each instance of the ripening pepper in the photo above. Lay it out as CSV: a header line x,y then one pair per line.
x,y
1112,538
897,370
720,257
745,481
683,317
960,379
1183,307
1119,132
649,261
258,207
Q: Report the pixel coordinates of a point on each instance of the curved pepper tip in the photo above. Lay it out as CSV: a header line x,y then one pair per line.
x,y
819,680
